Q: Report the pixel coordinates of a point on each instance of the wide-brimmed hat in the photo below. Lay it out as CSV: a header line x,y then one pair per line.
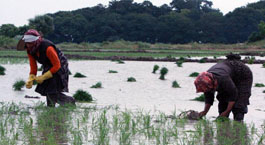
x,y
21,45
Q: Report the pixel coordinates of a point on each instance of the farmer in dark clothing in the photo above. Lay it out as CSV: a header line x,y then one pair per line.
x,y
232,79
54,78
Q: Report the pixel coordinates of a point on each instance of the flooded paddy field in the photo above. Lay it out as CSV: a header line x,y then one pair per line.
x,y
123,112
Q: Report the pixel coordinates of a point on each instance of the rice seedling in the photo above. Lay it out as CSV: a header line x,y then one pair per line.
x,y
175,84
179,63
163,72
18,85
113,71
82,96
131,79
2,70
79,75
251,59
201,98
194,74
203,60
259,85
155,68
97,85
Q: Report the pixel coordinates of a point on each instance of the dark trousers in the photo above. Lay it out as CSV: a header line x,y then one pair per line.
x,y
59,98
237,112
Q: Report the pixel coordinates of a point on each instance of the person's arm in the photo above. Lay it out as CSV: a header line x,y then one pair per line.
x,y
33,65
228,109
209,98
53,57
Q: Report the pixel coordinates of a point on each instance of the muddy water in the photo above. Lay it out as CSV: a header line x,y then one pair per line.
x,y
148,92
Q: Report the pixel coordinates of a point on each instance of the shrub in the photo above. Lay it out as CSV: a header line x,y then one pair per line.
x,y
82,96
163,72
2,70
259,85
131,79
97,85
79,75
194,74
155,68
18,85
201,98
112,71
251,60
175,84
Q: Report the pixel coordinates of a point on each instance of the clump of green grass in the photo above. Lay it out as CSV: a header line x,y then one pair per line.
x,y
79,75
251,60
175,84
179,63
113,71
203,60
131,79
82,96
97,85
163,72
194,74
18,85
259,85
155,68
2,70
263,65
201,98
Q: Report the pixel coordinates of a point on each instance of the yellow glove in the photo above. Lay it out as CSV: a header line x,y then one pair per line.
x,y
45,76
29,83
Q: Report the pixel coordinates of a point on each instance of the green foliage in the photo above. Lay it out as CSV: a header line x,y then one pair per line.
x,y
18,85
131,79
7,42
179,63
79,75
163,72
259,85
155,68
2,70
97,85
175,84
203,60
256,36
82,96
113,71
251,60
194,74
42,23
8,30
201,98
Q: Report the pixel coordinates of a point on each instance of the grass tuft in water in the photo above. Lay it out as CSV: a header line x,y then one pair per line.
x,y
113,71
163,72
82,96
259,85
155,68
203,60
79,75
175,84
179,63
18,85
201,98
2,70
97,85
194,74
131,79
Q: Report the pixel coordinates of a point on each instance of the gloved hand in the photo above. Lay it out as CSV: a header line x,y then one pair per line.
x,y
45,76
30,80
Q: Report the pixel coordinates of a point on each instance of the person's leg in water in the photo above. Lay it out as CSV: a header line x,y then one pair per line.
x,y
51,100
239,113
63,99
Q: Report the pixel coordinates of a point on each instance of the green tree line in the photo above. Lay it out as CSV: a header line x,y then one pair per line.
x,y
182,21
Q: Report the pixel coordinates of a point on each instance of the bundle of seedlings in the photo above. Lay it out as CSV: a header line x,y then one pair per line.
x,y
131,79
97,85
259,85
2,70
18,85
113,71
194,74
155,68
175,84
163,72
201,98
79,75
179,63
82,96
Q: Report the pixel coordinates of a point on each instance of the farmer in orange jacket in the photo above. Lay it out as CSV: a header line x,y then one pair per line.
x,y
54,78
232,79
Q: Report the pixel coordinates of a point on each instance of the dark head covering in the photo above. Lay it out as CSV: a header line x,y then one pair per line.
x,y
32,36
